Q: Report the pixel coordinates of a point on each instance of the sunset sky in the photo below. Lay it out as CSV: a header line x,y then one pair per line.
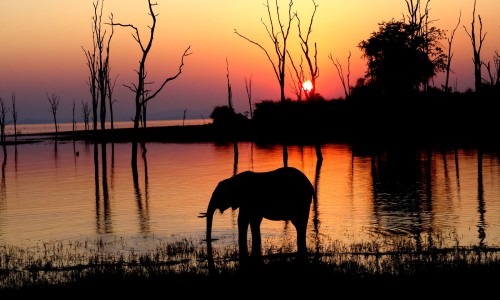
x,y
42,52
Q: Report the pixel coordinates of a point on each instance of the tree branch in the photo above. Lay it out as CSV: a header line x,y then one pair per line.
x,y
185,54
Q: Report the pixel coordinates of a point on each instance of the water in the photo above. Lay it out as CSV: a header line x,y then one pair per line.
x,y
50,127
52,192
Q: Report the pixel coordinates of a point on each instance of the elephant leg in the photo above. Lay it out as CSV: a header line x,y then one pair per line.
x,y
256,238
242,235
301,229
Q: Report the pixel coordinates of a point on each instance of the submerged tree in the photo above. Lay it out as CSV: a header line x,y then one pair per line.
x,y
279,36
450,55
54,105
73,122
3,119
496,61
476,59
3,123
344,78
142,96
14,115
297,83
86,114
304,44
233,119
98,64
248,87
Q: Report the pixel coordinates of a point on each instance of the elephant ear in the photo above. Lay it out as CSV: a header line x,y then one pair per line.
x,y
238,188
224,195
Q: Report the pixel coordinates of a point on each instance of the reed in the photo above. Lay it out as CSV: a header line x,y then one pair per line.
x,y
91,263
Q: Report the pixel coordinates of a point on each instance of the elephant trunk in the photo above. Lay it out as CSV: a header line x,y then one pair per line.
x,y
212,207
210,258
210,217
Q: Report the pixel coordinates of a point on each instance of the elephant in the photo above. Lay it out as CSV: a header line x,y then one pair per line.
x,y
284,194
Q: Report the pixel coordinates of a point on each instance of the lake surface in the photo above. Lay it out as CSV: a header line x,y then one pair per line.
x,y
59,192
50,127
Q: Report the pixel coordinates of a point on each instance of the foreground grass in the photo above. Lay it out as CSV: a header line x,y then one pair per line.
x,y
182,265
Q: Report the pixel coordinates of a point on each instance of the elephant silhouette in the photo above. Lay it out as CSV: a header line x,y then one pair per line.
x,y
284,194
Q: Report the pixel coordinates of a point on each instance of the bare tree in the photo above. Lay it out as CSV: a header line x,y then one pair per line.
x,y
3,122
104,74
475,47
313,67
304,44
418,17
74,120
232,118
493,74
14,115
86,114
142,96
98,64
450,54
279,37
248,87
139,87
229,89
488,71
111,101
92,82
345,79
497,67
54,105
296,84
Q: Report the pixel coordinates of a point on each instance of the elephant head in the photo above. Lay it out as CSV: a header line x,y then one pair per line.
x,y
282,194
223,197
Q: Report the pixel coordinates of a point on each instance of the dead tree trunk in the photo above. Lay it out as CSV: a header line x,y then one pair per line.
x,y
3,123
476,48
248,87
14,116
304,44
279,37
139,88
98,64
54,105
232,125
340,72
450,55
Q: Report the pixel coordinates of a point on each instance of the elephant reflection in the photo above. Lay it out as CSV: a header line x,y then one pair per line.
x,y
282,194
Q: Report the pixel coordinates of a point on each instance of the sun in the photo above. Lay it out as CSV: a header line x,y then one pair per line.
x,y
307,86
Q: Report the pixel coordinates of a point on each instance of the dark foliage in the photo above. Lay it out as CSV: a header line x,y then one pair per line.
x,y
311,121
228,125
401,58
420,117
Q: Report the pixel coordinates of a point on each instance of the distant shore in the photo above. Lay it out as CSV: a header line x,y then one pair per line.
x,y
210,133
432,118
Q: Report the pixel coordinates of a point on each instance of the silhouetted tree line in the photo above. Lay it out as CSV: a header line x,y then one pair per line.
x,y
394,102
421,116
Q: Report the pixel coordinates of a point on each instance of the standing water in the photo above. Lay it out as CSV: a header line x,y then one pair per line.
x,y
60,192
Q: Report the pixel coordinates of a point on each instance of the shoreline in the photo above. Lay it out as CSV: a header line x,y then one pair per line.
x,y
211,133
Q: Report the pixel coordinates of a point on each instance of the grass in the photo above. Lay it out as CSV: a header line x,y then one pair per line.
x,y
181,265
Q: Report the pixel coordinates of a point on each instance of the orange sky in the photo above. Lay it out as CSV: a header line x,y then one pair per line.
x,y
41,49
